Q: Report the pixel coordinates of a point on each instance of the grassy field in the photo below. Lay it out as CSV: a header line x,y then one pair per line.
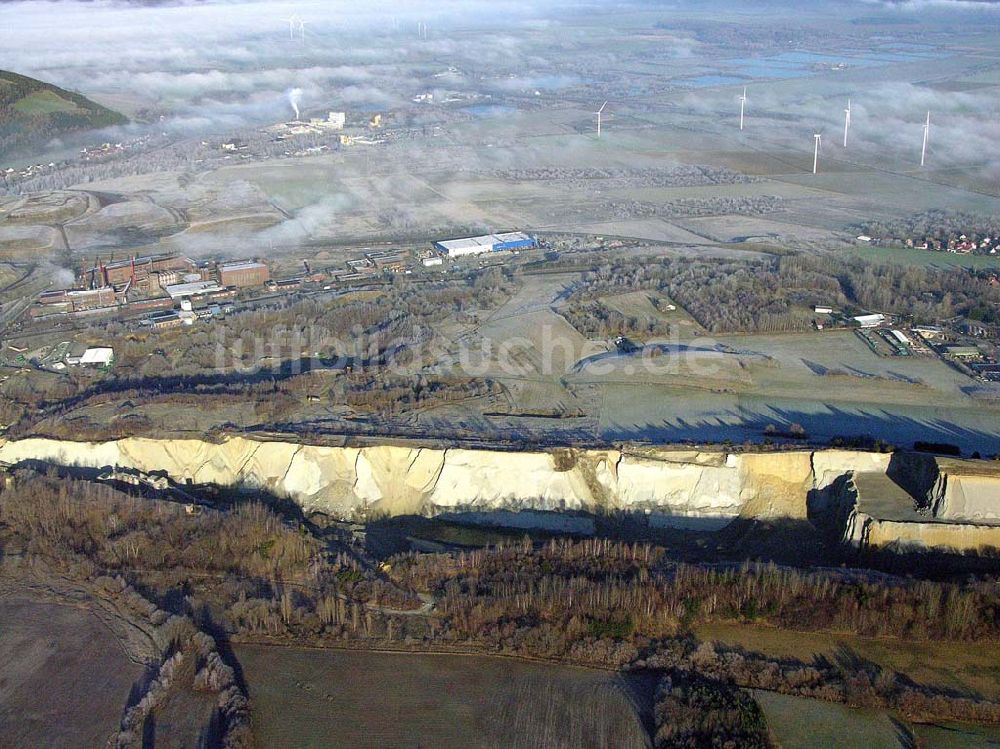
x,y
924,258
316,698
44,102
951,665
64,680
801,723
957,736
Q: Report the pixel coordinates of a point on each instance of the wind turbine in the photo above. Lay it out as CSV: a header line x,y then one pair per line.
x,y
743,102
598,113
818,137
927,132
293,22
302,30
847,121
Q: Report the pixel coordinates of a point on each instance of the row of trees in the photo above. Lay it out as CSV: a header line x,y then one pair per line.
x,y
693,712
575,584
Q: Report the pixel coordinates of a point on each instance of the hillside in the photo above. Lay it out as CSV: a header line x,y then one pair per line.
x,y
33,112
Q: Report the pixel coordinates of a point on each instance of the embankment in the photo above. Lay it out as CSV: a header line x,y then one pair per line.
x,y
666,481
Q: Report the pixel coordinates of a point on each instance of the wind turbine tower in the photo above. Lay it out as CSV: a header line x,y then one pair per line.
x,y
817,137
927,132
847,121
599,113
743,103
296,24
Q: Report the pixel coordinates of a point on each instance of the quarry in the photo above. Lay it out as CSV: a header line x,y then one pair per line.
x,y
907,501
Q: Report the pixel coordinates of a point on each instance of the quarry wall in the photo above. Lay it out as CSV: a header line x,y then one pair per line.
x,y
666,481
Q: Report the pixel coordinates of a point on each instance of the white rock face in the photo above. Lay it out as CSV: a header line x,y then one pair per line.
x,y
967,498
664,482
484,478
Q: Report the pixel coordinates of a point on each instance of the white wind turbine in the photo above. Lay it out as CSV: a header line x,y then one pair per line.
x,y
927,133
293,23
847,121
817,137
743,103
599,113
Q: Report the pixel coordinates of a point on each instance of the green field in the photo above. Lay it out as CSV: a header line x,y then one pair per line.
x,y
909,256
952,665
802,723
44,102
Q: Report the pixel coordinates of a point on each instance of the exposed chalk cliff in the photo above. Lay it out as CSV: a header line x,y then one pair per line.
x,y
683,483
966,491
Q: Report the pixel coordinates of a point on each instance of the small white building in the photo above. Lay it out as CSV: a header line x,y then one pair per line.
x,y
429,262
870,321
819,309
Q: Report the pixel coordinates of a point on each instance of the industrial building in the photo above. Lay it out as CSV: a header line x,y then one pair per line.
x,y
963,352
164,319
97,357
512,240
76,300
389,261
136,269
196,288
245,273
869,321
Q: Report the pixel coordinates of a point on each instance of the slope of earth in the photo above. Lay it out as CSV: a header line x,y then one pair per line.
x,y
34,112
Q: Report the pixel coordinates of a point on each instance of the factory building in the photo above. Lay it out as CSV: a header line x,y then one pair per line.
x,y
134,269
512,240
245,273
391,261
76,300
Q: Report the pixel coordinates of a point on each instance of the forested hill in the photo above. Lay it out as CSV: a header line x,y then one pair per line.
x,y
33,112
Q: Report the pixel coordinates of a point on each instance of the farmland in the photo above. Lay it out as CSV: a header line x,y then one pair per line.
x,y
306,698
64,679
